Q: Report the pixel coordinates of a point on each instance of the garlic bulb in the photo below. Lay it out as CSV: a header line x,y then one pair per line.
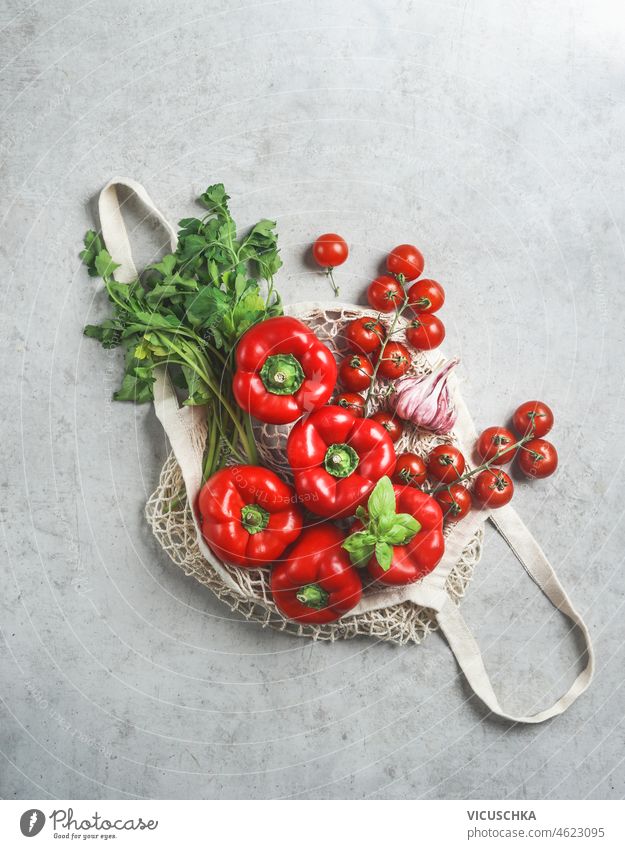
x,y
426,401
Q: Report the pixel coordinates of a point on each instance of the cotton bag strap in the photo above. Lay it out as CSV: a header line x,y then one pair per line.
x,y
180,424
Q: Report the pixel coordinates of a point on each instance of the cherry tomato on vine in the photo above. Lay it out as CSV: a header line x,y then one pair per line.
x,y
492,441
426,296
390,423
538,458
351,401
330,250
365,334
455,502
355,372
409,470
446,463
405,260
533,418
493,488
395,360
425,332
385,294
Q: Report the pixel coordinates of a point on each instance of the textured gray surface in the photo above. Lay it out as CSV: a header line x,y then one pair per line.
x,y
489,133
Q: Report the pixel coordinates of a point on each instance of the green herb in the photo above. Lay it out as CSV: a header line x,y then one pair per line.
x,y
187,313
382,528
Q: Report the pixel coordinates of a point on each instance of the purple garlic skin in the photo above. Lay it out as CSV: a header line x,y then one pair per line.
x,y
426,401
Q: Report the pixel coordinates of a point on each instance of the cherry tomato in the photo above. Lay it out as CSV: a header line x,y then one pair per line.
x,y
365,334
492,441
425,332
390,423
533,418
446,463
426,296
355,372
409,470
455,502
351,401
538,458
493,488
395,360
330,250
405,260
385,294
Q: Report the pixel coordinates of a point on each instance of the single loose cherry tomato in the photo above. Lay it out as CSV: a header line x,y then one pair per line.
x,y
365,334
395,360
385,294
534,418
409,470
455,502
425,332
391,425
426,296
405,260
538,458
355,372
351,401
493,488
330,250
492,441
446,463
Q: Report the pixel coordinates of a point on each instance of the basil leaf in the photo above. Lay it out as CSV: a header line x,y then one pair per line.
x,y
382,499
360,547
384,555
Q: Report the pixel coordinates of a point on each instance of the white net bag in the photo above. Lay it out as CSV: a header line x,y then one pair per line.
x,y
172,522
395,614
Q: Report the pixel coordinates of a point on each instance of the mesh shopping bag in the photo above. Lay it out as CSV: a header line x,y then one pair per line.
x,y
400,615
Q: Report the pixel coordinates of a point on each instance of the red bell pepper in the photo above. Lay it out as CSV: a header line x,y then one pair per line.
x,y
316,582
248,515
337,459
400,535
283,371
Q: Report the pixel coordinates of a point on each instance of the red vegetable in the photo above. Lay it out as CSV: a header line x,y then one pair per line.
x,y
425,332
355,372
330,250
405,260
337,459
283,371
409,470
493,488
399,536
385,294
494,440
351,401
446,463
455,502
390,423
248,515
538,458
316,582
365,334
533,417
426,296
395,361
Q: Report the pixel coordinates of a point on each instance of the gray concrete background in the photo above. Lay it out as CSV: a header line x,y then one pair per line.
x,y
489,133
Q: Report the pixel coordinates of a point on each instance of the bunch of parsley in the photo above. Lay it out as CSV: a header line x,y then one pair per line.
x,y
187,312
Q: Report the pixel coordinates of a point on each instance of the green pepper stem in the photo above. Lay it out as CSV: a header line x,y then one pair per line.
x,y
254,518
312,595
340,460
